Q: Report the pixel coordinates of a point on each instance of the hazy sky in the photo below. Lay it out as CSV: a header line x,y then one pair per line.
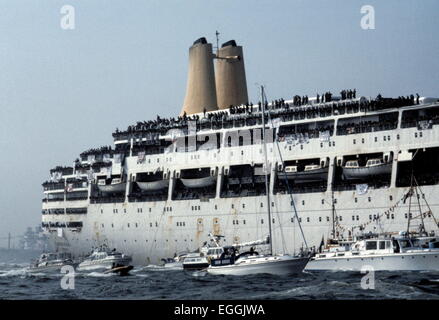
x,y
64,91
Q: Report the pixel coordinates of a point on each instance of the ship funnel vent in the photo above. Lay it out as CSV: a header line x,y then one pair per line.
x,y
231,83
200,89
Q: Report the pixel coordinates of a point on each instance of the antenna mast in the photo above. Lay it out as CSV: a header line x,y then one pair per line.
x,y
267,190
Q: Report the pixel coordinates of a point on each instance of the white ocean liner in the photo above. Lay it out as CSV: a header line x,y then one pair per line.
x,y
150,222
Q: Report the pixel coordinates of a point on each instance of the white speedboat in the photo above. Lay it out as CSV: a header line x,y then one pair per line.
x,y
48,262
102,258
381,253
373,167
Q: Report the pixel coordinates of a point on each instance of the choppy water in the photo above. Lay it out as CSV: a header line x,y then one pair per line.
x,y
153,282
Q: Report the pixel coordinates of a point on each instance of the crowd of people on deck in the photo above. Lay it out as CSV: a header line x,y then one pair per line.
x,y
348,94
301,107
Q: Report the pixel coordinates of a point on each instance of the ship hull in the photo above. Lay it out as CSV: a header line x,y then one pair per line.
x,y
158,236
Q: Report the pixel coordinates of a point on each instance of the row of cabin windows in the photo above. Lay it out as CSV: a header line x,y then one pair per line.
x,y
197,208
321,144
385,138
236,222
308,219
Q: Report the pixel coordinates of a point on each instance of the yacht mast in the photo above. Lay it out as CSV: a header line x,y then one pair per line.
x,y
267,189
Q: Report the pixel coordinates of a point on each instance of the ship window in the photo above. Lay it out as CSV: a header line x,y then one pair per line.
x,y
370,217
233,206
243,205
416,134
292,220
303,202
102,210
323,201
320,219
376,139
307,219
362,140
341,218
368,199
243,221
358,218
388,138
382,245
393,216
354,141
384,138
356,200
397,136
333,143
321,145
420,134
128,225
353,218
262,205
149,209
102,225
391,198
262,221
327,219
272,204
301,147
112,225
371,245
216,207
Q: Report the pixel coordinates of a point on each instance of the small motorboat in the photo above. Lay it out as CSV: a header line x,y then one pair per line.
x,y
103,258
48,262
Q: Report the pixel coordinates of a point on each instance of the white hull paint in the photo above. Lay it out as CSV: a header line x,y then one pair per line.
x,y
283,266
420,261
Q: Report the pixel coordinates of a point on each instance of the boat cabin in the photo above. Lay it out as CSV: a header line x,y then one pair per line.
x,y
352,164
374,162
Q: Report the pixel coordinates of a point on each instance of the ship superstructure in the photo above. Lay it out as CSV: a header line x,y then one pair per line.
x,y
166,184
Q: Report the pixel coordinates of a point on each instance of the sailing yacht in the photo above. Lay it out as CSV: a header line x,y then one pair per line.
x,y
251,262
